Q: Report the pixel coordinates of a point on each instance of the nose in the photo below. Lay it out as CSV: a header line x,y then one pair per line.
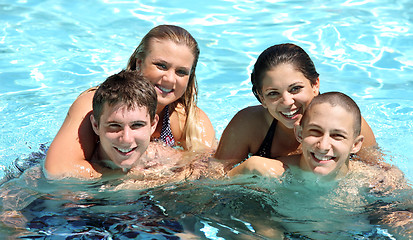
x,y
126,135
287,98
324,143
169,76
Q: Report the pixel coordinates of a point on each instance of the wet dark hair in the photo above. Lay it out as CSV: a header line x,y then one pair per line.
x,y
286,53
337,99
127,87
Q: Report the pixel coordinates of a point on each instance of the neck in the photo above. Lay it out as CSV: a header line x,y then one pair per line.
x,y
335,174
101,158
160,108
288,136
109,164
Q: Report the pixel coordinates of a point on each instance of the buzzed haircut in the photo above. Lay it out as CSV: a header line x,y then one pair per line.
x,y
337,99
127,87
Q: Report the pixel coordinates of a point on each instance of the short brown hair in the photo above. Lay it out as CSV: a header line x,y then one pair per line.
x,y
337,99
127,87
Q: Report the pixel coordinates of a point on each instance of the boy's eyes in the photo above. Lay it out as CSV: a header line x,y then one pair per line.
x,y
114,125
118,127
318,133
137,125
314,132
338,136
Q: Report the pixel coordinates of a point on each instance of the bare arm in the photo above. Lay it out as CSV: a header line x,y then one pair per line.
x,y
397,218
200,131
369,152
233,146
261,166
207,130
74,143
369,139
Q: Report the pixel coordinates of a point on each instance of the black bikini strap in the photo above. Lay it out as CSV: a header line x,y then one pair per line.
x,y
265,148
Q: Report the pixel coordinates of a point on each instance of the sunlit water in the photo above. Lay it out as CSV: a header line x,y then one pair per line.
x,y
53,50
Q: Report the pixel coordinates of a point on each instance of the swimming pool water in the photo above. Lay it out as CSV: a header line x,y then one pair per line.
x,y
53,50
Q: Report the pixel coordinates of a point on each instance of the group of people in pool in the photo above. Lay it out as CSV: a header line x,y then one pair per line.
x,y
145,118
116,130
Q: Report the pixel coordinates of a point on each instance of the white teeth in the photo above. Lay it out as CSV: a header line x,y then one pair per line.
x,y
125,150
166,90
323,158
290,113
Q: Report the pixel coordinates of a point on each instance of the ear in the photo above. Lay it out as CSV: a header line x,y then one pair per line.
x,y
316,87
94,123
358,142
298,131
138,64
154,123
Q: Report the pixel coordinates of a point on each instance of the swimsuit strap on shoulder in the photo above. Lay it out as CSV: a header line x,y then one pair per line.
x,y
166,133
265,148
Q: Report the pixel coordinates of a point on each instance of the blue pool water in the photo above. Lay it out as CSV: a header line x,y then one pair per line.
x,y
53,50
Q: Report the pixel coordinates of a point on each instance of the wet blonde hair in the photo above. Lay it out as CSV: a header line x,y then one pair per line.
x,y
186,105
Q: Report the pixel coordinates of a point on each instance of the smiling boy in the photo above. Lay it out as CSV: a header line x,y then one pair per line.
x,y
124,118
329,132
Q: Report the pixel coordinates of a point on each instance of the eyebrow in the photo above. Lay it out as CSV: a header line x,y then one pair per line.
x,y
339,130
159,60
295,83
289,86
168,63
133,122
139,121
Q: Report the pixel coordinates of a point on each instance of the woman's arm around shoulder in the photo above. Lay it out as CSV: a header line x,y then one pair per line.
x,y
261,166
74,143
369,152
200,133
369,138
207,130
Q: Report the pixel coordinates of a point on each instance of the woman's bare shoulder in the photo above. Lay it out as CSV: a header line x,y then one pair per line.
x,y
249,116
84,101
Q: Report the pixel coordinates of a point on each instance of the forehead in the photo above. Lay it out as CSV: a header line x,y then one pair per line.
x,y
121,112
283,74
165,48
332,117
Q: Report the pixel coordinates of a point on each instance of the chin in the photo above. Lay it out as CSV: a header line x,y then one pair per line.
x,y
127,165
322,172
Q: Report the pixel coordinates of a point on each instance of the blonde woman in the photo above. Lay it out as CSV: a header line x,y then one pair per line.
x,y
167,56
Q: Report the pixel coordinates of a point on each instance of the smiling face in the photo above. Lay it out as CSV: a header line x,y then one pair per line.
x,y
286,93
327,138
124,134
167,66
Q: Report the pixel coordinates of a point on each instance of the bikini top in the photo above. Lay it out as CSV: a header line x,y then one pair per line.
x,y
265,148
166,133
